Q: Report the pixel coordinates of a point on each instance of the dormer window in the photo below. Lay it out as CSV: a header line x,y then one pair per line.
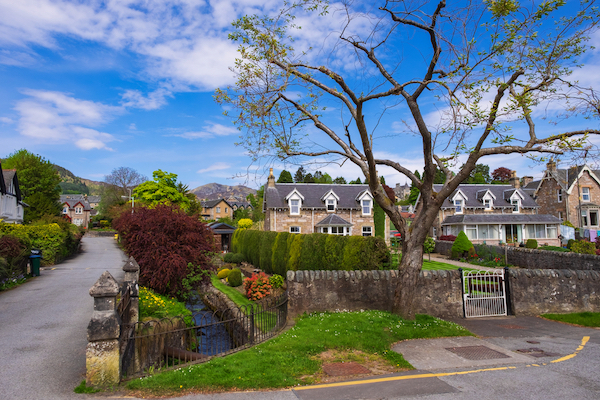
x,y
516,203
295,207
331,201
330,204
487,204
366,207
458,206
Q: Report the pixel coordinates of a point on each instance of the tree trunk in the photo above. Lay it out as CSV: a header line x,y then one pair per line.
x,y
408,277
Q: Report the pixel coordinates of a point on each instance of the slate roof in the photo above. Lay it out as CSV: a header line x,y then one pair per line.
x,y
475,192
474,219
9,175
73,202
567,177
213,203
221,227
312,193
240,204
333,220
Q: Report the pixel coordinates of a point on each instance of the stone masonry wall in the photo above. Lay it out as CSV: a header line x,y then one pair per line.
x,y
536,259
439,292
281,221
548,199
538,291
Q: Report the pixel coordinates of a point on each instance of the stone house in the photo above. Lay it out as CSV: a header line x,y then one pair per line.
x,y
402,191
216,209
334,209
11,204
77,211
571,194
495,214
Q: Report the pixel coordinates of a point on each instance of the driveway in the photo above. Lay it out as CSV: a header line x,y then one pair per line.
x,y
43,324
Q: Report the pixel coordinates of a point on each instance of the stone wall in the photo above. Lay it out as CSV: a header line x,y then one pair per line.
x,y
438,294
281,221
535,292
536,259
547,199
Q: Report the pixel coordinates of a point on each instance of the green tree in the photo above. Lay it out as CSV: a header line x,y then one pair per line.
x,y
256,203
356,182
163,189
489,66
340,180
480,174
285,177
299,175
39,184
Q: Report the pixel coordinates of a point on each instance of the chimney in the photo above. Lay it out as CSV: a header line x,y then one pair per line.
x,y
514,181
527,180
551,166
271,179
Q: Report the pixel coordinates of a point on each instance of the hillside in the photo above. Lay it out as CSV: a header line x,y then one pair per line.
x,y
71,184
212,191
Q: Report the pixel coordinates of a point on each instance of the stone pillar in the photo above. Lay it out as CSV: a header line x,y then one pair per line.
x,y
132,276
102,352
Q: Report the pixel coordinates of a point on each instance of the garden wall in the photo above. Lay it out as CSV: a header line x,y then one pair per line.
x,y
439,293
536,259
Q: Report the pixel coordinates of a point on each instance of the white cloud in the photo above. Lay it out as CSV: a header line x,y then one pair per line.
x,y
56,117
6,120
219,166
154,100
210,130
132,127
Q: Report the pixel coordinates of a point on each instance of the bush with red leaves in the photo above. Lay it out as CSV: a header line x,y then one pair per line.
x,y
449,238
163,240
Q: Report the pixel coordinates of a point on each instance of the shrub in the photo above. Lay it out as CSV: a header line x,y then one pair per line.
x,y
257,287
428,245
276,281
313,252
567,223
553,248
583,247
244,223
570,243
334,252
461,245
280,253
164,241
222,274
295,247
235,277
448,238
531,244
267,241
233,258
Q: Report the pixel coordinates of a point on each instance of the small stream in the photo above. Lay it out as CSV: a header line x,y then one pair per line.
x,y
212,336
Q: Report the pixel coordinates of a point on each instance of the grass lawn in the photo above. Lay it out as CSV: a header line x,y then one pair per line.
x,y
591,319
432,265
233,294
296,356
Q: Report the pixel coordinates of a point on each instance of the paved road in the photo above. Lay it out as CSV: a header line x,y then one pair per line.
x,y
43,324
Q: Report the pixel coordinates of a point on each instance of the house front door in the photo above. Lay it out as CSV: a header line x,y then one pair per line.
x,y
513,233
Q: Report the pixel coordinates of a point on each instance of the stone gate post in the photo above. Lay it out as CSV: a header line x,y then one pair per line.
x,y
102,351
132,276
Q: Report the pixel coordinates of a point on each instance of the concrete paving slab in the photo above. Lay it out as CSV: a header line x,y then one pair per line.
x,y
432,354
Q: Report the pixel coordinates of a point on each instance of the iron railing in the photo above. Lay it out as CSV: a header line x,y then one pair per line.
x,y
172,342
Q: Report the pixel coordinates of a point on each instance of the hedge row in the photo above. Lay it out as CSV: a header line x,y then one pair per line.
x,y
279,252
55,241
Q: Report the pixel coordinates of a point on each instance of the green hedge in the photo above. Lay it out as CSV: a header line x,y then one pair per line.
x,y
56,241
279,252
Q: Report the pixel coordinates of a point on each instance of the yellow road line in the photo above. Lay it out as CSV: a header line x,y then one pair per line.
x,y
436,375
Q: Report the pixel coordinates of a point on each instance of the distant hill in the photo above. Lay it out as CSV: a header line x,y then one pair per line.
x,y
71,184
213,191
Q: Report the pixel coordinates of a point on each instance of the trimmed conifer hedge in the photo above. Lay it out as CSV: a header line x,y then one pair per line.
x,y
279,252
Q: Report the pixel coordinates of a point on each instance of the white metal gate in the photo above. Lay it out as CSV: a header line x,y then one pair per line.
x,y
484,293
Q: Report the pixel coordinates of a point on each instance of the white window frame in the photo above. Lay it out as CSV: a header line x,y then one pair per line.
x,y
65,210
226,210
218,210
458,206
559,195
585,194
366,204
295,229
295,207
516,203
78,210
584,216
330,202
487,204
367,231
590,216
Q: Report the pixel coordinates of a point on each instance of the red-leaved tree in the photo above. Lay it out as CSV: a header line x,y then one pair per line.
x,y
164,240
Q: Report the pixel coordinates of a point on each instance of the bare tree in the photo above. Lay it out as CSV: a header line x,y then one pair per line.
x,y
488,67
122,180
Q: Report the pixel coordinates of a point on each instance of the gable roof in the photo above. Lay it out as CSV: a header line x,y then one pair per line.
x,y
313,193
8,176
213,203
501,193
333,220
567,178
72,203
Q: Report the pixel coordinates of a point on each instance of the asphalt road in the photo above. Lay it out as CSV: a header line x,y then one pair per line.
x,y
43,324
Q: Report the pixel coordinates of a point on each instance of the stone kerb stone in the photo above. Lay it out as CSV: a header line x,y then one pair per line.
x,y
102,351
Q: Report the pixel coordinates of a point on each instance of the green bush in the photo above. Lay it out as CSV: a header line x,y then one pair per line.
x,y
554,248
295,249
276,281
222,274
461,246
235,277
428,245
583,247
570,243
531,244
313,252
567,223
280,253
267,241
334,252
233,258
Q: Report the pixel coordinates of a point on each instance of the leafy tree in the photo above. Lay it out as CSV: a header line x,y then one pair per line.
x,y
285,177
309,178
256,202
340,180
39,184
356,182
501,175
489,66
242,213
322,177
299,175
163,189
480,174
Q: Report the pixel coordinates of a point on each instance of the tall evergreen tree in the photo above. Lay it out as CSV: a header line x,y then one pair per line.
x,y
299,175
285,177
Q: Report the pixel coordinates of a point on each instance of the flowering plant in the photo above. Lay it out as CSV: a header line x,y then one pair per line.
x,y
257,287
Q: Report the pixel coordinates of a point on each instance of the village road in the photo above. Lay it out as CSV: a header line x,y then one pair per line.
x,y
43,324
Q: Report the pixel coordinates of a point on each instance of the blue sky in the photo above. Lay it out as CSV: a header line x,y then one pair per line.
x,y
95,85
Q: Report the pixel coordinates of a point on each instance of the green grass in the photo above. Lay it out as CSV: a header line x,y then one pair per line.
x,y
431,265
291,358
233,294
591,319
83,388
554,248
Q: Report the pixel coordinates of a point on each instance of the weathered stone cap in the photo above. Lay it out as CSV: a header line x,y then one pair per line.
x,y
131,265
105,286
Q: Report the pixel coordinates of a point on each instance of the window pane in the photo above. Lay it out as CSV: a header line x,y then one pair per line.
x,y
530,231
594,218
484,232
551,232
493,229
540,231
471,231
